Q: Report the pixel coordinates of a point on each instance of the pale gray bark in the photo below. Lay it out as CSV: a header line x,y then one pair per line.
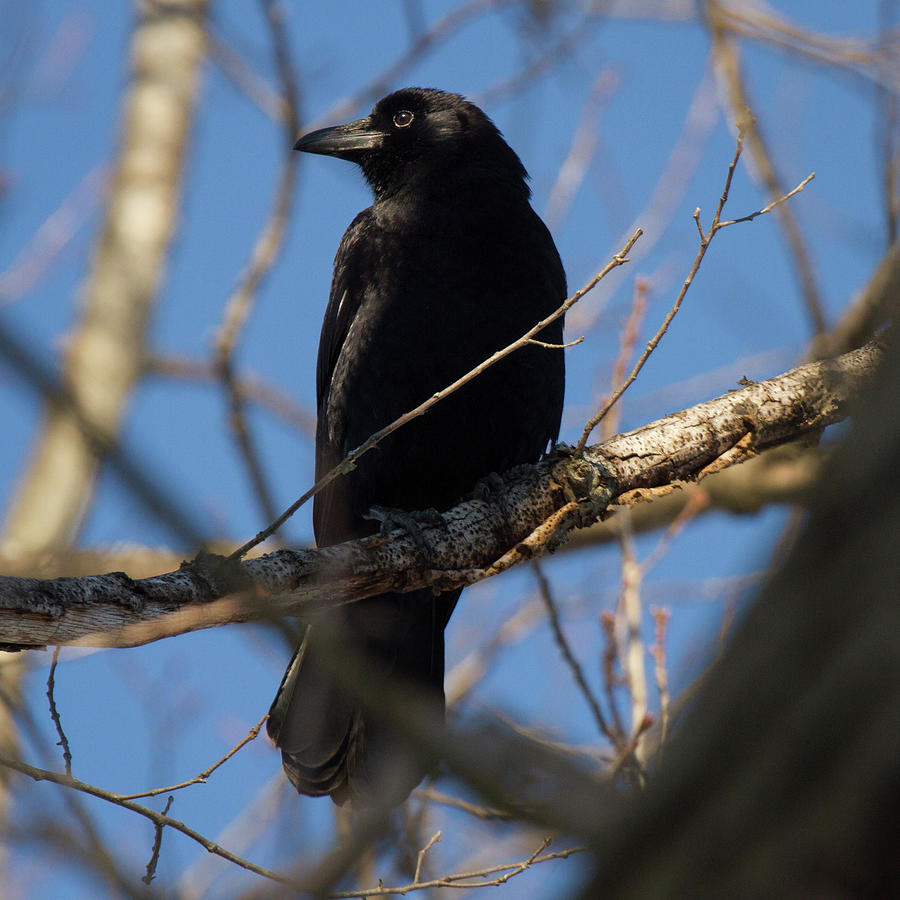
x,y
481,537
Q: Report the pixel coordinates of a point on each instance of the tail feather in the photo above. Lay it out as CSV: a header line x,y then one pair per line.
x,y
331,742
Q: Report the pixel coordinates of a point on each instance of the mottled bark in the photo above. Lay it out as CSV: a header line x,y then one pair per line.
x,y
532,514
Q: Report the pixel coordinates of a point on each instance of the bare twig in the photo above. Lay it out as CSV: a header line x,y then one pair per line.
x,y
581,151
630,333
661,618
52,237
251,387
263,257
567,654
631,646
157,818
204,775
349,461
729,69
148,877
430,795
610,663
705,238
420,858
466,880
54,713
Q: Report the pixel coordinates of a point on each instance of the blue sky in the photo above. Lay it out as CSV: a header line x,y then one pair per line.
x,y
160,713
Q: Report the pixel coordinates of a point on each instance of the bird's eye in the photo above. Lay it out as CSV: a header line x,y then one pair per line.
x,y
403,119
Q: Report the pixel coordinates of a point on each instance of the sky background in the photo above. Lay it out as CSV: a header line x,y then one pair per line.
x,y
158,714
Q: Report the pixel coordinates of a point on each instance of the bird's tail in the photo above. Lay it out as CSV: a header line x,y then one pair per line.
x,y
333,740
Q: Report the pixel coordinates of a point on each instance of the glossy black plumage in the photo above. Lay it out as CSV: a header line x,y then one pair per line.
x,y
448,265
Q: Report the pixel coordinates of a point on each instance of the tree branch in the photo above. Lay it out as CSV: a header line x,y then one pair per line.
x,y
538,506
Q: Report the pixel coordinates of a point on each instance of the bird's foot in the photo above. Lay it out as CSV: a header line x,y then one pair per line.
x,y
413,523
486,488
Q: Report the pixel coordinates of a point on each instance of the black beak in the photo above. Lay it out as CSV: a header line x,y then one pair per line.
x,y
345,141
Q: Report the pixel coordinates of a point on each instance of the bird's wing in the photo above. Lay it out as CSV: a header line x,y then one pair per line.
x,y
343,303
333,517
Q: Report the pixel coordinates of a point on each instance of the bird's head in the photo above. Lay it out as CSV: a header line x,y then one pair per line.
x,y
420,137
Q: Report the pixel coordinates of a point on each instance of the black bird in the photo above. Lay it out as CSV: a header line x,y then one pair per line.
x,y
448,265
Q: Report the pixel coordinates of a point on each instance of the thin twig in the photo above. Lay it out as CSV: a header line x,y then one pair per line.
x,y
630,333
661,617
465,880
155,817
442,30
148,877
263,257
705,239
54,713
350,460
682,161
251,387
53,236
547,346
611,680
630,613
204,775
729,69
421,855
430,795
569,656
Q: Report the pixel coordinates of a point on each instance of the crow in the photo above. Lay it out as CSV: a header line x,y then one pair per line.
x,y
448,265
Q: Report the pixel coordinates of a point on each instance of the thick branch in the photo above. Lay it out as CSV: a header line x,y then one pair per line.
x,y
103,353
532,514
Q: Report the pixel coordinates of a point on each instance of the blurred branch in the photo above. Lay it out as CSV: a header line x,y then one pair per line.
x,y
669,190
429,39
875,61
264,255
52,237
630,333
251,388
615,737
102,361
728,69
744,806
538,506
582,149
877,303
202,777
888,124
83,414
160,820
100,441
785,474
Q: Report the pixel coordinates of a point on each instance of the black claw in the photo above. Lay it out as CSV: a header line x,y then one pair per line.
x,y
413,523
488,486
